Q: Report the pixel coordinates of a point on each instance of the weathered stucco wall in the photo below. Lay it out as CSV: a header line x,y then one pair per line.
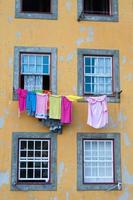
x,y
66,34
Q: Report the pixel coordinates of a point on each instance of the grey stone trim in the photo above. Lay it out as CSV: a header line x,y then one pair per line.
x,y
16,73
115,53
50,16
117,161
25,187
86,17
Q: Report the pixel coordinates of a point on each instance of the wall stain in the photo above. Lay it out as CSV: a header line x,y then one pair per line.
x,y
4,178
67,196
126,140
127,178
125,195
60,171
2,121
79,41
124,59
69,5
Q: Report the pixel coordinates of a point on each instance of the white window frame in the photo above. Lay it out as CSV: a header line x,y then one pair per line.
x,y
98,178
34,185
36,159
33,54
98,75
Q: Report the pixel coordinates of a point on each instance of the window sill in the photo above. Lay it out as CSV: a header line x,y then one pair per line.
x,y
104,18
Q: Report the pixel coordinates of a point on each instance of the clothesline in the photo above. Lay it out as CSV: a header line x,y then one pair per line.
x,y
43,105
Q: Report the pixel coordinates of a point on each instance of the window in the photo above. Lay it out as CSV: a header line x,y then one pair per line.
x,y
35,69
99,161
97,7
34,161
95,10
36,6
98,73
37,9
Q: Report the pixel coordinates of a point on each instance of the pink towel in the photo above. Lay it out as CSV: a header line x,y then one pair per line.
x,y
41,106
97,111
66,111
21,99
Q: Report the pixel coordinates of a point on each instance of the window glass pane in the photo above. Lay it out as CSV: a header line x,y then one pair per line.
x,y
22,164
87,61
30,173
31,59
25,59
39,60
23,173
45,173
46,69
30,144
45,145
39,69
45,60
23,144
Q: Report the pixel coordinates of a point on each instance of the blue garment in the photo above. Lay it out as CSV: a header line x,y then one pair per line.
x,y
31,103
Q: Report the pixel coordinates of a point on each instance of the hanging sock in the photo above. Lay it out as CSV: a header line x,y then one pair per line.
x,y
97,111
55,107
21,99
41,106
66,110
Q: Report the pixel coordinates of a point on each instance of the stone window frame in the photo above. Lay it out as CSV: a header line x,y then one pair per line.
x,y
15,185
86,17
50,16
117,161
16,72
115,98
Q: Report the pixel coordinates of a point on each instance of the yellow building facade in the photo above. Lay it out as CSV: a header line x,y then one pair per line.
x,y
72,33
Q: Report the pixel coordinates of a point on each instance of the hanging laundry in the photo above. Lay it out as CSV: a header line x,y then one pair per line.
x,y
55,107
97,111
41,106
21,99
74,97
66,111
31,103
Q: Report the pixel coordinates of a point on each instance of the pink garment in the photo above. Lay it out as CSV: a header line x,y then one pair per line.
x,y
66,111
97,111
21,99
41,106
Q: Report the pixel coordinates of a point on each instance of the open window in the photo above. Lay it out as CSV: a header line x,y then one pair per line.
x,y
35,69
98,10
37,9
96,7
36,6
